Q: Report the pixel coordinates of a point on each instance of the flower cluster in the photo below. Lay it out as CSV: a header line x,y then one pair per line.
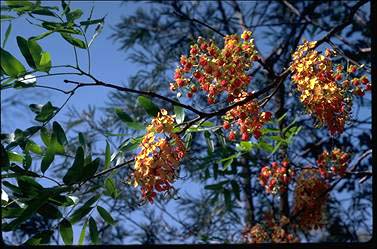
x,y
157,163
321,88
247,117
272,231
334,163
255,234
216,70
310,197
276,177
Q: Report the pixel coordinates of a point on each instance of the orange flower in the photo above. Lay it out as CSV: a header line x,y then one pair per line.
x,y
310,198
317,81
216,70
333,164
157,163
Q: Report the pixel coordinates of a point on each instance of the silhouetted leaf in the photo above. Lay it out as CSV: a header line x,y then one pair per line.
x,y
66,231
93,231
74,173
148,106
105,215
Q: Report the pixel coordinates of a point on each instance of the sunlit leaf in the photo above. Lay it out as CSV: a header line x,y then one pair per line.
x,y
179,114
74,41
82,233
10,65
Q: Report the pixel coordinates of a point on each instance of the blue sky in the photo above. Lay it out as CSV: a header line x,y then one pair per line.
x,y
107,61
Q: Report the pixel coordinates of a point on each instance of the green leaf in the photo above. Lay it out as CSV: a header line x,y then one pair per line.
x,y
265,146
82,233
62,28
236,189
93,231
33,147
29,186
107,156
65,7
82,139
91,22
80,213
43,12
209,141
277,146
105,215
73,15
110,188
92,200
20,171
41,36
73,174
29,211
35,108
227,199
74,41
55,146
10,65
148,106
84,209
42,60
179,114
66,231
245,146
90,169
18,3
24,48
49,211
15,157
45,62
131,144
26,163
47,159
35,51
6,17
122,115
46,113
217,186
45,136
7,33
227,163
137,126
128,120
282,117
4,158
40,238
60,134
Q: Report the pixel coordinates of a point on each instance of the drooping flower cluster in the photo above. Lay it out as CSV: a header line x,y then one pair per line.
x,y
271,231
276,177
247,117
216,70
310,198
321,88
334,163
255,234
157,163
